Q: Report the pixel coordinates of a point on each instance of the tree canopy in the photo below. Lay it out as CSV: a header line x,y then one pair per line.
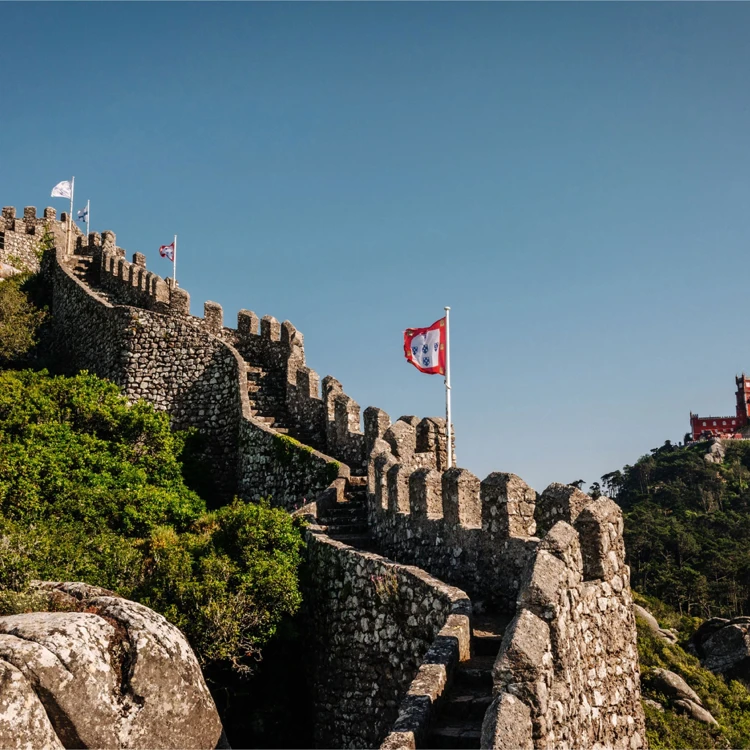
x,y
687,523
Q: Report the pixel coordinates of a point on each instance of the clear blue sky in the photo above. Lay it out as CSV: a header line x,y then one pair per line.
x,y
568,177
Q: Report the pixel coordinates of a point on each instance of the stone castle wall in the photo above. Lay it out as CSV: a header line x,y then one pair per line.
x,y
21,237
178,364
567,673
321,413
475,534
375,626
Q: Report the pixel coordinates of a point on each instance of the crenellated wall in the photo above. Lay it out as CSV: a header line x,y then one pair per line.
x,y
567,675
474,534
20,237
567,672
156,351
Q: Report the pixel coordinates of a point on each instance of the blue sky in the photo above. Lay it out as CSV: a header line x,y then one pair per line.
x,y
573,179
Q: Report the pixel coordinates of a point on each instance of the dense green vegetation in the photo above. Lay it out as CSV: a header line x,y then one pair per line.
x,y
687,526
728,702
92,489
20,319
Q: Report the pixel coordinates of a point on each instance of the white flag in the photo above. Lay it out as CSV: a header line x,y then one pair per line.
x,y
62,190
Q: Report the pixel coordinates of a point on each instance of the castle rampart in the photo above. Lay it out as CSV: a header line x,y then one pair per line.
x,y
20,237
567,671
171,359
475,534
567,674
379,629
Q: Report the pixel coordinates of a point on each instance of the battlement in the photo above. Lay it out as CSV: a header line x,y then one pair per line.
x,y
567,672
572,643
21,236
474,533
29,223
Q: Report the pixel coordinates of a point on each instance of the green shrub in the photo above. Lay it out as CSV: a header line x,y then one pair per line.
x,y
728,701
92,489
19,320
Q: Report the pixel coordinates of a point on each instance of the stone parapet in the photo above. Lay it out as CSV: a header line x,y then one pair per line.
x,y
386,639
569,656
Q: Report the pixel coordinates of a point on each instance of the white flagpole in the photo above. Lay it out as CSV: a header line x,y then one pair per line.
x,y
70,215
174,264
448,429
88,218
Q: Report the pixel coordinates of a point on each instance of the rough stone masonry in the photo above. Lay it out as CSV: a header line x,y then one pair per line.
x,y
566,675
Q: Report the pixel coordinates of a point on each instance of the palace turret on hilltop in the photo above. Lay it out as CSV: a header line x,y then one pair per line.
x,y
727,427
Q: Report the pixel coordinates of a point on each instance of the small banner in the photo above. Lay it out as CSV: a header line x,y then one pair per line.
x,y
425,348
62,190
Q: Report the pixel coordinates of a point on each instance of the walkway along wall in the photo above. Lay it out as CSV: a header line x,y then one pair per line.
x,y
567,674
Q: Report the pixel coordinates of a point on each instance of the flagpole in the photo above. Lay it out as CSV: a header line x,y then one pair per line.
x,y
174,264
448,429
70,215
88,218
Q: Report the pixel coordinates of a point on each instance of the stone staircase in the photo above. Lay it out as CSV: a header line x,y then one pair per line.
x,y
263,404
81,267
458,723
346,521
262,391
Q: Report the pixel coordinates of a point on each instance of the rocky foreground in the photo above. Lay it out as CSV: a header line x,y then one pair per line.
x,y
100,671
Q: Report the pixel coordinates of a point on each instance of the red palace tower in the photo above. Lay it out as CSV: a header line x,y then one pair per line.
x,y
703,427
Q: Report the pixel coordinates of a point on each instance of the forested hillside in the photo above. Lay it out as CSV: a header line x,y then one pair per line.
x,y
687,527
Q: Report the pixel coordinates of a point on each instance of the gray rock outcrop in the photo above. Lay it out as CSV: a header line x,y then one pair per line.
x,y
716,452
694,711
723,646
673,686
643,614
108,673
683,698
7,271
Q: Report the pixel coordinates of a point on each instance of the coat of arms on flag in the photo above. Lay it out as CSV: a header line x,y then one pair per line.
x,y
425,347
167,251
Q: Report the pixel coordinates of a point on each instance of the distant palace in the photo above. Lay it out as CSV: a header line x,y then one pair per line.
x,y
731,427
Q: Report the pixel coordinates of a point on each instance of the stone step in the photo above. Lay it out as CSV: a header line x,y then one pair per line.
x,y
355,540
358,481
466,703
452,733
477,672
487,633
346,510
355,515
336,529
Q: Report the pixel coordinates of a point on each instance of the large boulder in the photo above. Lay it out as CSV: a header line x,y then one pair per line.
x,y
673,686
106,673
650,621
694,711
6,271
723,646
